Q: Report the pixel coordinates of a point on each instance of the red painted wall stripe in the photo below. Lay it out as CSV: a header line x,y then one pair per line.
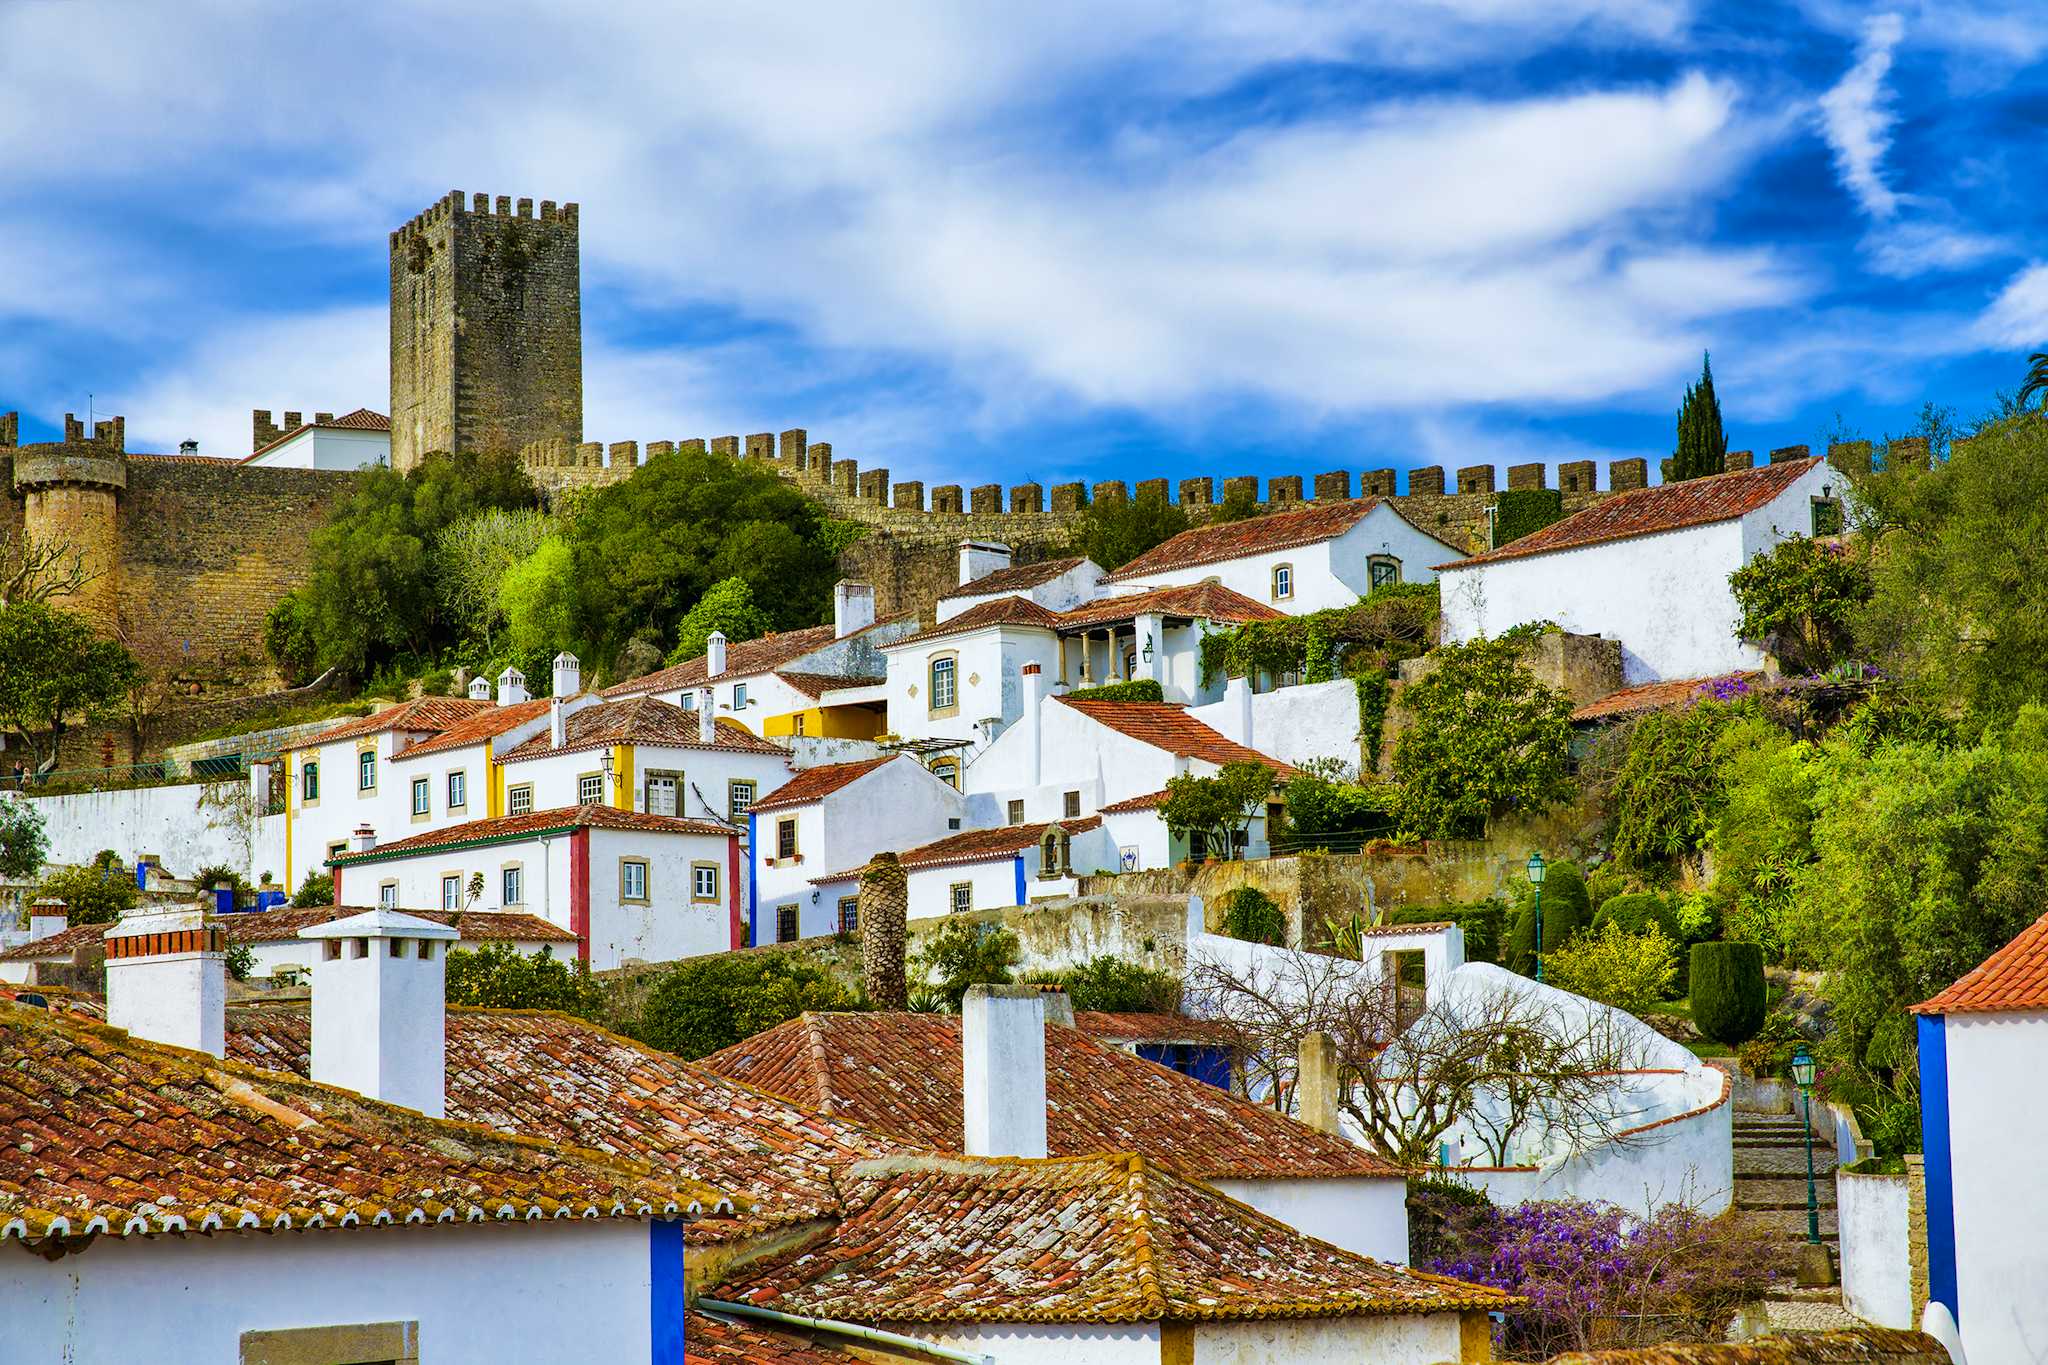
x,y
732,890
579,892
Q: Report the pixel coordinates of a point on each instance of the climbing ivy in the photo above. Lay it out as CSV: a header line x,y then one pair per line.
x,y
1394,623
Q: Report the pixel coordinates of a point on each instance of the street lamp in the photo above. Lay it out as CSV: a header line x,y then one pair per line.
x,y
1802,1074
1536,881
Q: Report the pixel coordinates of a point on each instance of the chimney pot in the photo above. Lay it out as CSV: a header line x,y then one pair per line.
x,y
479,689
1002,1066
558,730
1316,1083
511,687
176,994
853,607
707,716
365,839
380,1008
980,558
46,917
1034,693
568,679
714,654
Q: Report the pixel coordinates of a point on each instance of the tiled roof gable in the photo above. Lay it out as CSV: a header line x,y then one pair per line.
x,y
531,823
814,784
1167,726
978,845
638,719
1016,578
2015,978
1310,524
422,715
1002,611
1205,601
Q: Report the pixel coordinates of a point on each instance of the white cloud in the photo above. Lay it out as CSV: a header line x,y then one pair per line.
x,y
1856,117
1903,250
2018,317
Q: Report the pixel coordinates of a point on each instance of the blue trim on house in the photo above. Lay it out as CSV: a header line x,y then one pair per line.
x,y
753,874
1018,863
1934,1146
666,1302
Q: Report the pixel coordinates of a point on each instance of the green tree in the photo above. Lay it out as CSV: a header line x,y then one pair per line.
x,y
1702,442
1219,807
472,557
728,608
648,548
1115,531
537,599
1799,600
317,890
54,670
2036,382
289,640
1728,993
1113,985
706,1003
499,976
1487,737
957,954
92,895
1254,917
1664,795
23,842
1239,504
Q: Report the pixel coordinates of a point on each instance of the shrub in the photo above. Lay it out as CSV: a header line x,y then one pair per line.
x,y
1141,689
499,976
289,640
706,1003
1728,991
1487,737
240,960
91,895
1481,921
23,841
962,953
1115,986
315,891
1630,971
1251,915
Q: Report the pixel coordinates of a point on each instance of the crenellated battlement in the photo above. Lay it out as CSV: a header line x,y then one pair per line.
x,y
98,459
456,204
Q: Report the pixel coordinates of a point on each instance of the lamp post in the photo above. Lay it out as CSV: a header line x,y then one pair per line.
x,y
1802,1074
1536,881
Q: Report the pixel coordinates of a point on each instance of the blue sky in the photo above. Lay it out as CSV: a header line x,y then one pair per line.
x,y
984,243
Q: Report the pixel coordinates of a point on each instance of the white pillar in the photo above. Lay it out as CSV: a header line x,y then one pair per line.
x,y
1029,722
1151,630
1002,1071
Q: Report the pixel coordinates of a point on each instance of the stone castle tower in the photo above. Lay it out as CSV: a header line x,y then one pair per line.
x,y
486,328
71,492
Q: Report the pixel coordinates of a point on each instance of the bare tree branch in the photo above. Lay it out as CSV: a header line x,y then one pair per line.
x,y
37,568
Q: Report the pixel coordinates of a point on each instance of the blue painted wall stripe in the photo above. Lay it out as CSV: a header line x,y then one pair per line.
x,y
1018,863
1934,1146
753,873
665,1299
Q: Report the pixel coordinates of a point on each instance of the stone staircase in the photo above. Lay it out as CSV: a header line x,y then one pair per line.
x,y
1770,1193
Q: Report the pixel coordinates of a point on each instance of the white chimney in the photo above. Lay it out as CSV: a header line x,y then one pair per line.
x,y
511,687
853,607
714,654
1239,692
558,729
167,978
980,558
707,716
380,1007
479,689
365,839
1034,691
1002,1070
568,678
46,917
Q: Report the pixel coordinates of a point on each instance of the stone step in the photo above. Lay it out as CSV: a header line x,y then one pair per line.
x,y
1789,1223
1776,1144
1780,1192
1788,1163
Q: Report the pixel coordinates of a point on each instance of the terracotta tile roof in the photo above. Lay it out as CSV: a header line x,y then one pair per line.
x,y
61,944
422,715
544,1075
637,720
816,685
743,659
899,1074
1148,801
475,729
362,419
1857,1346
2013,978
530,824
1016,578
976,845
1655,696
1209,601
1646,511
1166,726
1108,1238
1212,544
1002,611
111,1133
814,784
1402,930
1130,1027
276,926
712,1340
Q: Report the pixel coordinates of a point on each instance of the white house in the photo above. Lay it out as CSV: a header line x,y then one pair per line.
x,y
351,441
829,818
980,869
1648,567
629,885
1322,554
986,573
1981,1044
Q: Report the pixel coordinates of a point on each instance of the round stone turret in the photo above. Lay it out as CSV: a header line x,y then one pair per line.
x,y
71,492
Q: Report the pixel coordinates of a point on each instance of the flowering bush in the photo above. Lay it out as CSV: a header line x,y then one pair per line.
x,y
1628,971
1595,1275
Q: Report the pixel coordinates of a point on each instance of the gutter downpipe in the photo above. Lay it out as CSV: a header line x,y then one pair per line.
x,y
852,1330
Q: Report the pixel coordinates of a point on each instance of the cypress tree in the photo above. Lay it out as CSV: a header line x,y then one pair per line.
x,y
1702,441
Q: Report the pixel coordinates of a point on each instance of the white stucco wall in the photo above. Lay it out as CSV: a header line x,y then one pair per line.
x,y
1061,593
480,1294
705,791
1049,1343
1406,1340
2001,1192
300,953
188,826
1365,1214
1877,1271
674,925
1143,836
328,448
986,667
1293,724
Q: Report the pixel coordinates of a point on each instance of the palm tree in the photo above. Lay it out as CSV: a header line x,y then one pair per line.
x,y
2037,379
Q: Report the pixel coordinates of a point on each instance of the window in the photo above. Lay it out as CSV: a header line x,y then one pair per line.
x,y
366,771
387,895
849,914
689,701
309,783
632,879
1016,812
590,789
796,724
785,837
947,770
519,799
1198,845
960,898
1827,517
1071,805
1283,582
704,881
739,696
945,692
738,797
661,794
458,790
512,885
1381,570
422,796
336,849
1055,853
785,924
451,892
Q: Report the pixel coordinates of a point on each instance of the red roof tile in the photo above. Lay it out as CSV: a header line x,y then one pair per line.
x,y
1148,801
638,720
1310,524
1646,511
530,824
1016,578
815,784
61,944
1103,1238
1003,611
816,685
362,419
109,1131
712,1340
743,659
475,729
1204,601
277,926
1655,696
422,715
976,845
2013,978
1166,726
899,1074
1132,1027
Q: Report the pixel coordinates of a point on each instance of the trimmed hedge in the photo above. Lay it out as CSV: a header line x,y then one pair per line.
x,y
1728,991
1565,916
1143,689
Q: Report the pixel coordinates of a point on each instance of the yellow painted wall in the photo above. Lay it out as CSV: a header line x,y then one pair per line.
x,y
622,766
827,722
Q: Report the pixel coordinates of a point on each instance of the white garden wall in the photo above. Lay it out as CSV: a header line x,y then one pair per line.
x,y
188,826
1365,1214
1408,1340
1877,1271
